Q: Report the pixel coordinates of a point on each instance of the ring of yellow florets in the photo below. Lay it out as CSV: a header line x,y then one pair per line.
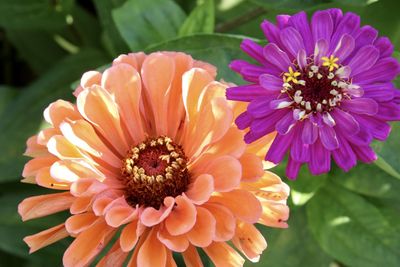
x,y
314,88
153,170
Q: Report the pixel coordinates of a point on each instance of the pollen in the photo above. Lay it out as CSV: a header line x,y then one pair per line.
x,y
291,76
330,62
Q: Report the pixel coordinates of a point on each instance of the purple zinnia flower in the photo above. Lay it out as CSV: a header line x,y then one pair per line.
x,y
325,87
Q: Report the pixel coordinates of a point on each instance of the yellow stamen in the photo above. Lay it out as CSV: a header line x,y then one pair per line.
x,y
291,76
330,62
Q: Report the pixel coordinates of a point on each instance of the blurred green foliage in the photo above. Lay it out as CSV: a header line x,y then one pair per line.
x,y
339,219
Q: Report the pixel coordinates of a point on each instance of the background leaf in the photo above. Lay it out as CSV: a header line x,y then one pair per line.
x,y
200,20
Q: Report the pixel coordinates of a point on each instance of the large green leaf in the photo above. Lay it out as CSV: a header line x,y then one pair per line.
x,y
351,229
22,118
294,246
7,94
200,20
217,49
142,23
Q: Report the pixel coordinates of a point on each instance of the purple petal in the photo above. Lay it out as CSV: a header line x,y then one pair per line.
x,y
282,21
366,36
379,91
260,107
385,46
246,93
345,122
328,119
267,124
322,25
336,15
320,159
328,138
280,103
348,24
321,50
279,147
270,82
378,128
302,59
299,21
344,47
366,106
292,40
361,138
284,125
298,114
354,90
271,32
310,132
365,153
344,156
388,111
343,72
299,151
243,120
292,168
384,70
253,50
365,58
276,56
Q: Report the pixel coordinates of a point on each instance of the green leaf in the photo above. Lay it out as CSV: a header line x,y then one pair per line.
x,y
217,49
7,94
294,246
200,20
351,229
142,23
22,118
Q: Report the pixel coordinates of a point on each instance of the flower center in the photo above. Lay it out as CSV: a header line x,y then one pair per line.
x,y
315,88
153,170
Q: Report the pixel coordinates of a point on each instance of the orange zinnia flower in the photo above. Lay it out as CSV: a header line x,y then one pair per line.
x,y
150,149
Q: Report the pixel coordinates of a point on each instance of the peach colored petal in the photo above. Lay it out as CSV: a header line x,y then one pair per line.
x,y
225,222
88,244
177,243
32,167
230,144
203,232
45,238
81,134
252,167
90,78
249,241
39,206
269,187
226,171
45,135
102,201
80,222
233,200
182,217
80,204
221,254
60,147
124,83
130,235
170,260
150,216
98,107
73,170
133,261
60,111
201,189
115,257
211,69
157,75
133,59
152,253
34,149
191,257
85,187
274,214
260,148
120,215
212,90
43,178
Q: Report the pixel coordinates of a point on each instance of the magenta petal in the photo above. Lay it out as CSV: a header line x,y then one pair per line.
x,y
365,153
366,36
246,92
284,125
253,49
345,122
366,106
260,107
292,40
302,59
276,56
320,160
348,24
344,157
322,26
299,151
344,48
379,91
388,111
365,58
271,32
321,49
384,70
279,147
292,168
243,120
270,82
300,22
385,46
310,132
378,128
328,138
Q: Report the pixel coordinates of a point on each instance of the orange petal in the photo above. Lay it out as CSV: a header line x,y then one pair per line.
x,y
157,74
170,260
130,235
115,257
177,243
211,69
150,216
249,241
88,244
191,257
152,252
103,200
45,238
43,178
81,134
80,204
60,111
203,232
60,147
225,222
274,214
125,84
120,215
268,187
133,59
260,148
226,171
34,149
85,187
230,144
98,107
72,170
80,222
32,167
252,167
201,189
90,78
182,217
221,254
39,206
233,200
